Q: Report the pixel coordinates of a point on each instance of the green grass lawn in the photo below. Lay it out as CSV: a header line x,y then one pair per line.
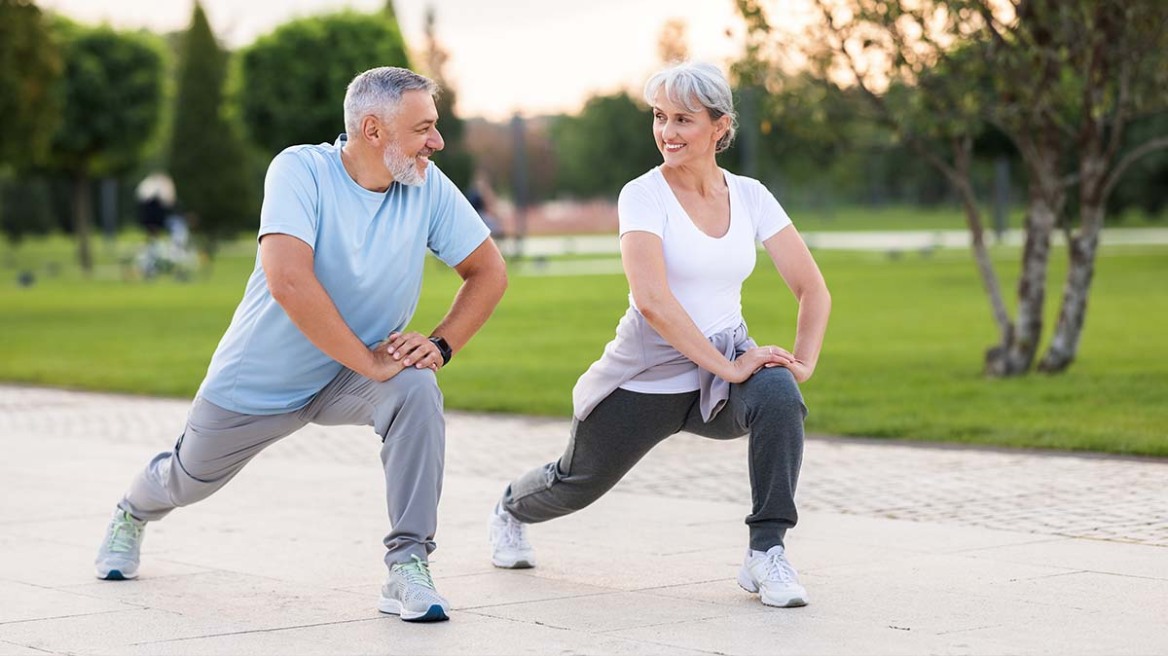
x,y
903,354
909,217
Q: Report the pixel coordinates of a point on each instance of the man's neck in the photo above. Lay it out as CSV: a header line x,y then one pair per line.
x,y
365,167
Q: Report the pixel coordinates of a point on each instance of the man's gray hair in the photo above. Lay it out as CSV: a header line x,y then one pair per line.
x,y
378,91
696,86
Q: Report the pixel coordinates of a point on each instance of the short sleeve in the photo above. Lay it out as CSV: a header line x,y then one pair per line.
x,y
638,209
769,215
456,229
291,194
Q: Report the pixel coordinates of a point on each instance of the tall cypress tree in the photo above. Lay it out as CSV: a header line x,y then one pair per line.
x,y
455,161
208,159
30,65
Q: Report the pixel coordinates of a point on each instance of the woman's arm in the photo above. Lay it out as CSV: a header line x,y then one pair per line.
x,y
799,270
644,263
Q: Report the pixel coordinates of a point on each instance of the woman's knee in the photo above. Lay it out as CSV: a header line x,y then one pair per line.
x,y
775,390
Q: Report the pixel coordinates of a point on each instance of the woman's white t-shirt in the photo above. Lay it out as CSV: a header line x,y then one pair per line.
x,y
704,273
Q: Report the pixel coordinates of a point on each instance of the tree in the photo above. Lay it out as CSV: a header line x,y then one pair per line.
x,y
111,93
24,208
294,79
607,144
29,68
1058,79
672,44
208,160
456,161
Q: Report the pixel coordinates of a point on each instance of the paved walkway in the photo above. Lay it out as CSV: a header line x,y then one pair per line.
x,y
865,240
904,549
599,254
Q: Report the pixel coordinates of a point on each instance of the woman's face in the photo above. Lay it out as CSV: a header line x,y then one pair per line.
x,y
682,136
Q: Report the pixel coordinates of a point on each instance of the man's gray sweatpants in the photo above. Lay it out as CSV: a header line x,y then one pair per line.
x,y
406,411
626,425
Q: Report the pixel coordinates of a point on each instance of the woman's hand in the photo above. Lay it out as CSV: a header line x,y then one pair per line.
x,y
747,364
798,368
753,359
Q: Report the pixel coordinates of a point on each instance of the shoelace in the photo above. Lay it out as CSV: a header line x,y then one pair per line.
x,y
124,535
515,533
779,568
417,572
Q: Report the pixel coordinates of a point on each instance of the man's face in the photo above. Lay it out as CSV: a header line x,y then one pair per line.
x,y
413,137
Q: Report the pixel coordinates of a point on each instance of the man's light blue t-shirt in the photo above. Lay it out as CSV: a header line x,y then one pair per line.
x,y
369,249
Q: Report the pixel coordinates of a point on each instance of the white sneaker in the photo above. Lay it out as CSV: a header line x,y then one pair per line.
x,y
509,546
771,575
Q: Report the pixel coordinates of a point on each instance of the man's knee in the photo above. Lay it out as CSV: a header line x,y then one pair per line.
x,y
410,400
410,386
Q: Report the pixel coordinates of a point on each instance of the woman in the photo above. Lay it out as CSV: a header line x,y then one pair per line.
x,y
681,359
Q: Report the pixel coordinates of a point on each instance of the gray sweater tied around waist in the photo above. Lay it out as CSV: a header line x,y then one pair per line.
x,y
640,352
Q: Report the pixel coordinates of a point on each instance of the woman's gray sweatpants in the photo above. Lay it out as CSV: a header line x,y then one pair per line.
x,y
406,411
626,425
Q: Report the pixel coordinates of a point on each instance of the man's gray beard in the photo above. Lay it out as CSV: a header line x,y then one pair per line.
x,y
403,169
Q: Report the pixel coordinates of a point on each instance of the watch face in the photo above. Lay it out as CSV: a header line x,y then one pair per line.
x,y
443,348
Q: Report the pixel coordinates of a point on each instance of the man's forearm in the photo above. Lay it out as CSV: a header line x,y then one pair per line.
x,y
473,304
312,311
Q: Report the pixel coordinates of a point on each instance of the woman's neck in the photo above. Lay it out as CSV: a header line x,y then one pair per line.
x,y
703,179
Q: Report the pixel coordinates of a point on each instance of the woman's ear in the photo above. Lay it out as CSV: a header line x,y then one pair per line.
x,y
721,127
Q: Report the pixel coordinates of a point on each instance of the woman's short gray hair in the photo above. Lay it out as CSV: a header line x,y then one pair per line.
x,y
378,91
697,86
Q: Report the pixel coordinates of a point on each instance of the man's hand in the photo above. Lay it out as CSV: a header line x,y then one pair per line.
x,y
413,349
382,366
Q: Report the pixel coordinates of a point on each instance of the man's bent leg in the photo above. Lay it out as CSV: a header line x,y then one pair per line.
x,y
406,411
216,444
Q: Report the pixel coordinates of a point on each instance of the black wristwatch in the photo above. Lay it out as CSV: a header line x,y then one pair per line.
x,y
443,348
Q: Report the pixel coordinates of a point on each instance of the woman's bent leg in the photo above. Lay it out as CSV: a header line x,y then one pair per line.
x,y
770,407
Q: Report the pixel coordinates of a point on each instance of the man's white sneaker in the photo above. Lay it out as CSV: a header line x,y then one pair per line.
x,y
771,575
509,546
118,557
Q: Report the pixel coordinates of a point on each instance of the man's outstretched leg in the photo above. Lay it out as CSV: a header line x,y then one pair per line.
x,y
216,444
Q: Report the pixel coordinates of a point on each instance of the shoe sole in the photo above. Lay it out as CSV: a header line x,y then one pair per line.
x,y
513,564
117,575
435,613
791,602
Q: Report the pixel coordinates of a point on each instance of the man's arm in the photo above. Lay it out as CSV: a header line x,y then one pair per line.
x,y
484,279
288,266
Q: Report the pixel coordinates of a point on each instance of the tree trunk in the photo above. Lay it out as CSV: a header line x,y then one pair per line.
x,y
981,257
82,220
1016,353
959,177
1065,344
1082,248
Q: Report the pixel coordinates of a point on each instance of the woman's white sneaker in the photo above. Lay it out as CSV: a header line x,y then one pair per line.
x,y
509,546
771,575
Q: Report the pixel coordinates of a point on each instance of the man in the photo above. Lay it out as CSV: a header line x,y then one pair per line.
x,y
342,240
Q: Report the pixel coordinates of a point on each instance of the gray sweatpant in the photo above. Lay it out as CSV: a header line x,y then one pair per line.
x,y
626,425
405,411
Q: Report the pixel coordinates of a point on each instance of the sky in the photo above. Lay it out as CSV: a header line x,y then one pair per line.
x,y
506,56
